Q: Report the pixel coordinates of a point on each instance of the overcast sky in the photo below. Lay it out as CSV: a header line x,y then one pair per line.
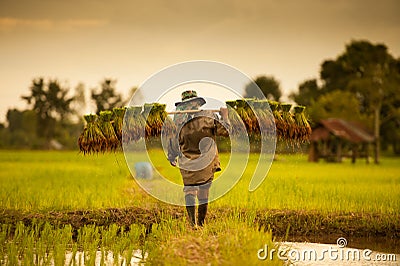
x,y
87,41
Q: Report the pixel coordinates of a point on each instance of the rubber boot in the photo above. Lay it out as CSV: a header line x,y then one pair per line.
x,y
202,212
191,208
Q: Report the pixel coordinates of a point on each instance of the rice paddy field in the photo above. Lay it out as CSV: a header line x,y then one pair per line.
x,y
66,208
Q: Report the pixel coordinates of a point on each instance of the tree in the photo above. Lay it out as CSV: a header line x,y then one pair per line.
x,y
138,99
370,73
268,85
337,104
51,103
308,92
21,130
21,120
106,98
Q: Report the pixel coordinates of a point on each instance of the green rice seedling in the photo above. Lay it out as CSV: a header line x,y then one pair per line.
x,y
265,117
59,252
152,120
109,236
235,121
158,120
241,109
302,123
122,245
103,255
62,240
4,232
133,236
134,124
118,119
12,256
279,122
112,143
253,127
88,237
74,251
291,128
29,248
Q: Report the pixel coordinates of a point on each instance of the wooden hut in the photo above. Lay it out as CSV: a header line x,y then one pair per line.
x,y
333,139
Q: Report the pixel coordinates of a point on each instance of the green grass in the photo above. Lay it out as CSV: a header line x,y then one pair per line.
x,y
295,184
36,181
40,181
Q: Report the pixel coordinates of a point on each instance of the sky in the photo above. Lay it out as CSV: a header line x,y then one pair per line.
x,y
128,40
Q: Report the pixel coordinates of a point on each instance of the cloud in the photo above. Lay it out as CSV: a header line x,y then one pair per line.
x,y
9,24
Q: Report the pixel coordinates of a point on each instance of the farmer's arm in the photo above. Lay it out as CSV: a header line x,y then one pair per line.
x,y
173,150
223,123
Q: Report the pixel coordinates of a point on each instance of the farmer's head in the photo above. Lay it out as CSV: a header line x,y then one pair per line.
x,y
188,94
190,100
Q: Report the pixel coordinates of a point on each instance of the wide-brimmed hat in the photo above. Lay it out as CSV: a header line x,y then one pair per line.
x,y
191,96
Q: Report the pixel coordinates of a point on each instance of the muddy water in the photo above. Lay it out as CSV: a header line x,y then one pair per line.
x,y
108,259
303,253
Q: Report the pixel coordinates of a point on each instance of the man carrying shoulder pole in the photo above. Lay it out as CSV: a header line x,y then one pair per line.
x,y
194,151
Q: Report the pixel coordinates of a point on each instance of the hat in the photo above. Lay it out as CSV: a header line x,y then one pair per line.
x,y
189,96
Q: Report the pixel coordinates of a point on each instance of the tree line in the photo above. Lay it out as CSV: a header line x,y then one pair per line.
x,y
53,118
361,84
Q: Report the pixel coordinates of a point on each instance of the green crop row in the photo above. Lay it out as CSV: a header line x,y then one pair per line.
x,y
43,181
170,242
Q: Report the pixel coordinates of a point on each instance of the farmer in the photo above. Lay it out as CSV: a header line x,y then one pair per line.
x,y
195,147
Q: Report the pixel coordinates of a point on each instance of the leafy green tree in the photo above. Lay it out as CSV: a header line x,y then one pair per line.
x,y
371,73
308,92
21,120
79,102
337,104
51,103
106,98
21,130
269,86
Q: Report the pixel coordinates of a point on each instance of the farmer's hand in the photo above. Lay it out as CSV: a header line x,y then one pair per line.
x,y
224,113
173,163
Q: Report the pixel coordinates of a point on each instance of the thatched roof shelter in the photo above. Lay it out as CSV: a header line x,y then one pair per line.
x,y
331,135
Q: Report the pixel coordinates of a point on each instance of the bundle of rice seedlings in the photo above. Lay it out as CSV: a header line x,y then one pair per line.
x,y
242,110
91,139
270,120
163,122
118,118
265,117
169,128
158,120
130,124
253,127
303,124
279,122
112,143
153,122
134,124
234,120
290,125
